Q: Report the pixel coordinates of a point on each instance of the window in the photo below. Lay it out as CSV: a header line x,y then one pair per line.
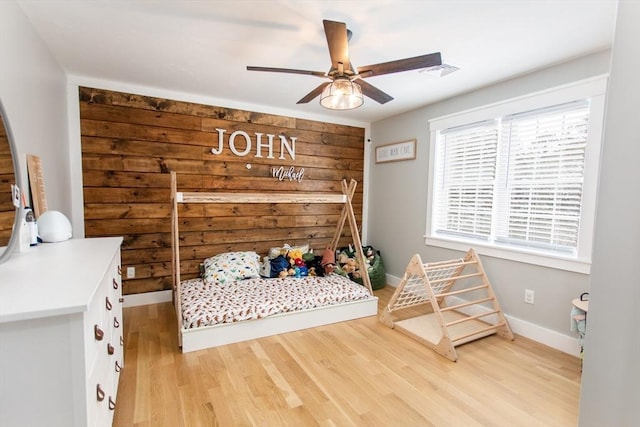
x,y
518,179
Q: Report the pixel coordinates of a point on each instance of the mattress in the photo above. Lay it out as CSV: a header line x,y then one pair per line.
x,y
207,304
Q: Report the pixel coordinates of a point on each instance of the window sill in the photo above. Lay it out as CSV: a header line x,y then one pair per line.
x,y
529,257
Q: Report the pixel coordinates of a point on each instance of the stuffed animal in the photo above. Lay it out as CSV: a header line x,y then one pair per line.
x,y
278,265
349,266
315,265
293,255
328,261
343,257
369,253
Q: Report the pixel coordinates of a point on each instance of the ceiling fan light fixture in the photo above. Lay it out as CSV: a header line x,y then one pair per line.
x,y
341,94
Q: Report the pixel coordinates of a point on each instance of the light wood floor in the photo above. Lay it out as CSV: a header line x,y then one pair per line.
x,y
357,373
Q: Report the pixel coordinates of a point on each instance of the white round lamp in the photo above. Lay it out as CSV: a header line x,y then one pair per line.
x,y
53,227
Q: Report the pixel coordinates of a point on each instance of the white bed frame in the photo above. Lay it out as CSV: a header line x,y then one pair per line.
x,y
212,336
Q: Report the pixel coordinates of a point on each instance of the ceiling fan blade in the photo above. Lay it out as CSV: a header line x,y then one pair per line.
x,y
338,43
314,93
373,92
287,70
417,62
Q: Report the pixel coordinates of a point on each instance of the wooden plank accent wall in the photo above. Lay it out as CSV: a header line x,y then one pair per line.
x,y
131,142
7,177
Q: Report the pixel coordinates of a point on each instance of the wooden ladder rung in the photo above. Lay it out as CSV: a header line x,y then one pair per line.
x,y
446,264
466,304
453,279
462,291
478,332
477,316
402,305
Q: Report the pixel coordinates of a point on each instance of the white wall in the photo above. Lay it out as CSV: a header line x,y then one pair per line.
x,y
33,91
397,209
611,376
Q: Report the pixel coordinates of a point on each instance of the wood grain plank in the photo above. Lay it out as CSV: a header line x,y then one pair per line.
x,y
120,113
104,157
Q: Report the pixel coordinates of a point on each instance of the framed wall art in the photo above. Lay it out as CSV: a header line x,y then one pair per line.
x,y
405,150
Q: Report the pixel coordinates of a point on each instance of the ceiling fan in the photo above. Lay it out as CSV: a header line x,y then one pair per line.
x,y
343,75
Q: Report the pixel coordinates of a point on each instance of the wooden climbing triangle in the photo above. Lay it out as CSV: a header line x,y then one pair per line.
x,y
463,306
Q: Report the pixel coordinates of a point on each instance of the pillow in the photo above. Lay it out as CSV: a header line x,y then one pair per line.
x,y
231,266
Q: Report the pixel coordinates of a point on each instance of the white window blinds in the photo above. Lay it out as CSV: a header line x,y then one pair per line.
x,y
518,179
540,195
466,179
515,180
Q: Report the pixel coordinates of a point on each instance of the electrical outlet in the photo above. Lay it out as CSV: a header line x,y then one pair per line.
x,y
528,296
131,272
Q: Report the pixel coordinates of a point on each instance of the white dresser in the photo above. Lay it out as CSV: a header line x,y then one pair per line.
x,y
61,334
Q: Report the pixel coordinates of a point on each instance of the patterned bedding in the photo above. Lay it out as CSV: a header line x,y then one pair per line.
x,y
205,304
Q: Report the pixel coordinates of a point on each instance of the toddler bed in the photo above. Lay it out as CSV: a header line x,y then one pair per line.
x,y
237,304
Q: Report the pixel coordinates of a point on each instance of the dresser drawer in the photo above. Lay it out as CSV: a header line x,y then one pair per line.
x,y
101,395
97,330
103,323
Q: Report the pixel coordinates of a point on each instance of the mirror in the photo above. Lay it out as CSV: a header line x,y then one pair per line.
x,y
9,175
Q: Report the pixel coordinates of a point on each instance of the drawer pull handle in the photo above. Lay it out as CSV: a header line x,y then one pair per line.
x,y
115,284
99,393
121,340
118,367
110,349
112,404
98,333
121,300
108,304
119,271
116,323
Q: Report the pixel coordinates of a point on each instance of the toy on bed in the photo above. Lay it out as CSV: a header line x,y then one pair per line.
x,y
291,261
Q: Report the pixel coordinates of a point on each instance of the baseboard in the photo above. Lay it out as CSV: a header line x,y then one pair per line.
x,y
146,298
565,343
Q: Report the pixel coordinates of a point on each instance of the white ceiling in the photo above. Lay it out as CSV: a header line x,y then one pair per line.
x,y
203,47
